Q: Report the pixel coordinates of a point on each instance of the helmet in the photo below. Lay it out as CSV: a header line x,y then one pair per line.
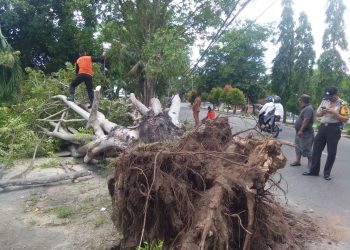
x,y
269,99
277,99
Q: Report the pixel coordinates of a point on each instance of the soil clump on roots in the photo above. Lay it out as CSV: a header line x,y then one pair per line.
x,y
208,191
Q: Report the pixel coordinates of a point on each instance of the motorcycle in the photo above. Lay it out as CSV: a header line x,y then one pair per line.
x,y
269,123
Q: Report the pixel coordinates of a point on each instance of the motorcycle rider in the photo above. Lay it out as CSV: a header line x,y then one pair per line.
x,y
267,111
279,112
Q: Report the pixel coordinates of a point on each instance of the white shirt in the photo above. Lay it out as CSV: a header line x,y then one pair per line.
x,y
279,110
269,106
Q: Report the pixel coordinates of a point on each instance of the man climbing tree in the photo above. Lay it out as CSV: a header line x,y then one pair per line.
x,y
83,69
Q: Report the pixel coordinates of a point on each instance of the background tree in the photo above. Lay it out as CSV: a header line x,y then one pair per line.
x,y
215,95
332,67
152,38
10,70
303,63
234,97
281,78
238,58
204,96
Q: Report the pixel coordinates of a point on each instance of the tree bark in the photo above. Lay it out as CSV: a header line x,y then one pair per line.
x,y
155,125
44,180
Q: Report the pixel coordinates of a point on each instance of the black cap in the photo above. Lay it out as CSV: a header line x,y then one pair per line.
x,y
330,92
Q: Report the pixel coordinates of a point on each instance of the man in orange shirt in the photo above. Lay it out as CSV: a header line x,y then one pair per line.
x,y
83,69
210,115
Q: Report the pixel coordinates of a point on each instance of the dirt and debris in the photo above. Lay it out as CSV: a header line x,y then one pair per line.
x,y
64,215
197,198
209,191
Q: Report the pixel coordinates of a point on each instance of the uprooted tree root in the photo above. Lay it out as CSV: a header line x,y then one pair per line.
x,y
207,192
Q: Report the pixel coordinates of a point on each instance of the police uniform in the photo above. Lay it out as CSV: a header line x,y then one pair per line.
x,y
329,133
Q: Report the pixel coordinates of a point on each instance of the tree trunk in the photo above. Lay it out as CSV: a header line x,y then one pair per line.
x,y
44,180
148,90
108,137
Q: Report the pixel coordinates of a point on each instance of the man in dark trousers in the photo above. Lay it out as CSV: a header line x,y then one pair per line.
x,y
83,69
333,112
304,136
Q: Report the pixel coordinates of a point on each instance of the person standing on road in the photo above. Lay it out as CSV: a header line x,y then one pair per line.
x,y
83,69
333,112
196,107
304,136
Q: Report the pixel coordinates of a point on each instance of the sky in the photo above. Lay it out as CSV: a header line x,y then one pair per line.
x,y
315,11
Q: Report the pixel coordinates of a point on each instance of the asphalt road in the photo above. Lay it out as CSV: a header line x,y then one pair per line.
x,y
328,200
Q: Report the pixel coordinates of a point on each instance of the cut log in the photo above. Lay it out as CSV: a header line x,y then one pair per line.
x,y
43,180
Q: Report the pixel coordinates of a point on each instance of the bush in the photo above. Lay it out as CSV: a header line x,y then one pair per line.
x,y
215,95
205,96
347,129
190,96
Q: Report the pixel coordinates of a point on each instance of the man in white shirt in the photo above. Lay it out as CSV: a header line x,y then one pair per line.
x,y
268,106
279,108
266,112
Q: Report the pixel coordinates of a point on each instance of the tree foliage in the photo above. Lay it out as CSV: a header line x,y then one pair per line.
x,y
233,97
283,62
331,65
238,58
215,94
334,35
10,70
304,55
49,33
152,38
303,64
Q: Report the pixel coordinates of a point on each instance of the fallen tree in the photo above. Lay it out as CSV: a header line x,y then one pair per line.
x,y
43,180
108,137
208,191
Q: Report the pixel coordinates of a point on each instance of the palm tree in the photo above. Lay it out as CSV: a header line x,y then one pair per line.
x,y
10,69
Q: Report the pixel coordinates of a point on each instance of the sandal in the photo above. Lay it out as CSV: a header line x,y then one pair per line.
x,y
327,177
295,164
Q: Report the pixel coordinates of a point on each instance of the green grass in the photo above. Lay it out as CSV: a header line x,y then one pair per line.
x,y
63,211
153,246
33,199
48,164
100,220
32,222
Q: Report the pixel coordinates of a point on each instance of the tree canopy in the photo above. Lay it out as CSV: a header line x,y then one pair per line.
x,y
331,65
283,62
49,33
10,69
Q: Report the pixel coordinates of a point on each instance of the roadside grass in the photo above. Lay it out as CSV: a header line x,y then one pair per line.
x,y
100,220
151,246
50,163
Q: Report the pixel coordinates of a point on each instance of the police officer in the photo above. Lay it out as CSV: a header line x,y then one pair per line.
x,y
333,112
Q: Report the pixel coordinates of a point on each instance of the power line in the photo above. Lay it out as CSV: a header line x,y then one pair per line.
x,y
218,33
213,41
